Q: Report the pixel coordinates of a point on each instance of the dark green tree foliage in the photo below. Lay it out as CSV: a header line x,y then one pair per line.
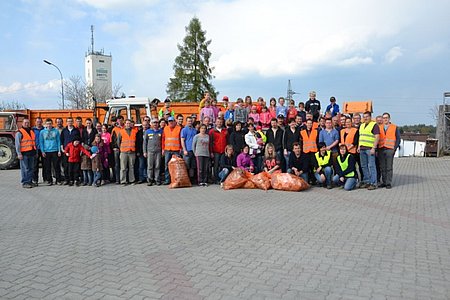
x,y
192,71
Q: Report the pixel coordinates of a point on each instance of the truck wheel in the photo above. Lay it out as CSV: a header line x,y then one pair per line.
x,y
8,155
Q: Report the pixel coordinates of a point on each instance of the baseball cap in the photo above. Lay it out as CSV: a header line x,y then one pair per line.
x,y
280,116
225,98
170,119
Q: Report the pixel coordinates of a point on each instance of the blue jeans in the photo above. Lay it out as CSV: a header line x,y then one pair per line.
x,y
303,175
368,166
349,183
286,160
87,177
167,156
327,171
97,177
142,168
27,168
223,174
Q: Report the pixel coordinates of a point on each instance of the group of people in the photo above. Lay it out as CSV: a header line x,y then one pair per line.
x,y
328,149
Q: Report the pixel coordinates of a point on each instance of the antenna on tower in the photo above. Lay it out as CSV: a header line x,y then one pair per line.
x,y
290,92
92,39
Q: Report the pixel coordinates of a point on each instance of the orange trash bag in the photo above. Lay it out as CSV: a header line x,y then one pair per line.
x,y
261,180
288,182
236,179
249,185
179,176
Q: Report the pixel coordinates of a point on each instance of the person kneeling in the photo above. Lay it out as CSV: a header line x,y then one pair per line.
x,y
345,169
323,162
298,162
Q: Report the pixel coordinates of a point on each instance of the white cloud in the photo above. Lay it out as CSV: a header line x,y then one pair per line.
x,y
251,37
119,4
116,28
393,54
31,87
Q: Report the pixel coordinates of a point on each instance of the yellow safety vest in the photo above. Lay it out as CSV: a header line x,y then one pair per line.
x,y
366,137
323,160
344,166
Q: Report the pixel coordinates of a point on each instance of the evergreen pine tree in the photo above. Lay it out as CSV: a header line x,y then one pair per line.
x,y
192,72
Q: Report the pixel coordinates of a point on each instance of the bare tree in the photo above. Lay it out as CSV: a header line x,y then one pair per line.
x,y
117,90
75,93
11,105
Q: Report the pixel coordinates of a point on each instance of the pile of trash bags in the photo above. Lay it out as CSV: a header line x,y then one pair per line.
x,y
239,178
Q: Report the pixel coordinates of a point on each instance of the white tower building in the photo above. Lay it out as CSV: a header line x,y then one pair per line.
x,y
98,75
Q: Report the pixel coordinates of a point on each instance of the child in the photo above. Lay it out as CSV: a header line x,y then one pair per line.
x,y
100,160
264,118
244,160
254,114
208,112
229,114
292,111
86,167
73,152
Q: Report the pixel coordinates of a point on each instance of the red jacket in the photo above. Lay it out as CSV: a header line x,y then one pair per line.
x,y
218,140
75,152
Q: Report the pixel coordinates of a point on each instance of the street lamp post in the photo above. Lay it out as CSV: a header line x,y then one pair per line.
x,y
62,80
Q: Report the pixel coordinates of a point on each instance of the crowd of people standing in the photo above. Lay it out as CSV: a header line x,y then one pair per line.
x,y
323,146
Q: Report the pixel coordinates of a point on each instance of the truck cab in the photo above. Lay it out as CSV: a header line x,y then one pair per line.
x,y
134,108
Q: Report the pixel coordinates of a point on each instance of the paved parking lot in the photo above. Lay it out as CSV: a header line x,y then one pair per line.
x,y
140,242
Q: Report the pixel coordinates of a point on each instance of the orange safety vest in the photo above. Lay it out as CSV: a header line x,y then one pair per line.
x,y
171,138
28,141
115,131
315,125
387,138
128,142
349,139
309,142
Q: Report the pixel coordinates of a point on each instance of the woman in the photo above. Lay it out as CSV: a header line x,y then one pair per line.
x,y
109,162
255,146
322,166
237,137
291,136
345,169
244,161
88,134
273,108
227,163
272,161
200,147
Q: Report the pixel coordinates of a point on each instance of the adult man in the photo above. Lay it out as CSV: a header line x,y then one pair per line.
x,y
171,145
141,160
313,106
166,110
218,141
333,107
356,120
152,151
69,134
187,136
59,125
298,162
330,136
310,139
301,111
79,125
49,143
281,108
180,120
387,145
369,134
291,136
118,126
26,152
275,135
39,159
126,141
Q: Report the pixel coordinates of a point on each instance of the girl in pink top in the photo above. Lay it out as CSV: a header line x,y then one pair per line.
x,y
273,108
264,118
254,114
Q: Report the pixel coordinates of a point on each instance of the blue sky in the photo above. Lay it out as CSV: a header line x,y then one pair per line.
x,y
395,53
